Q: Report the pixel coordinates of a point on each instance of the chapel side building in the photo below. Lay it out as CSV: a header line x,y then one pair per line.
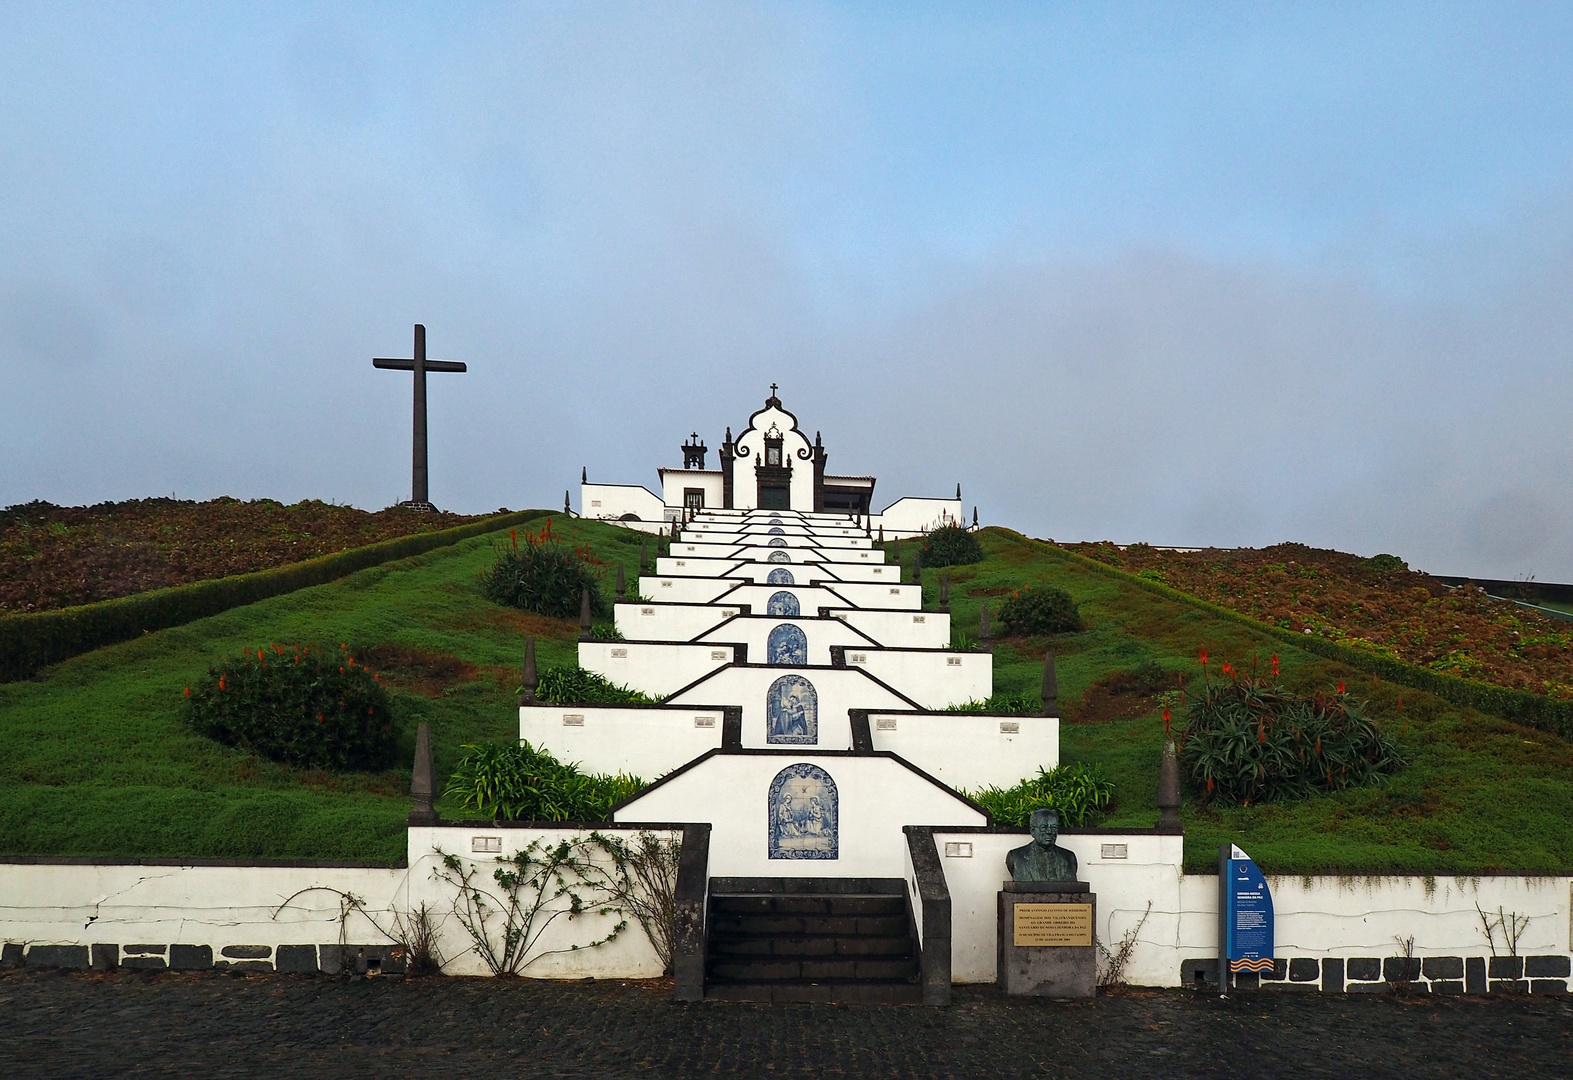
x,y
771,465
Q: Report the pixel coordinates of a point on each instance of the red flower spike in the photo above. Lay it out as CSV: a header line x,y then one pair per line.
x,y
1204,658
1340,686
1275,663
221,682
188,691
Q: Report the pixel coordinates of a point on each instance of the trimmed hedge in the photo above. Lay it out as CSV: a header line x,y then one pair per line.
x,y
1519,706
37,639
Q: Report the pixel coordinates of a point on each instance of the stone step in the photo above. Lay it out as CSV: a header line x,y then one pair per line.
x,y
813,925
843,993
797,904
747,945
812,969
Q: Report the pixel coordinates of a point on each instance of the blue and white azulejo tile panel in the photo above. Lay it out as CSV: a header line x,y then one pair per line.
x,y
804,815
792,712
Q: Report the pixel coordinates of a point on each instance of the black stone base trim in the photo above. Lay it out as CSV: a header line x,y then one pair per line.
x,y
59,956
296,959
190,957
10,955
1549,974
105,957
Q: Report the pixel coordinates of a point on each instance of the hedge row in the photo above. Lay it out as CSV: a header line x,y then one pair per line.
x,y
1519,706
35,640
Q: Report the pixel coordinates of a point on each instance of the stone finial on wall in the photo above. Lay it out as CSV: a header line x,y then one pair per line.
x,y
1051,686
584,614
531,679
1169,789
423,781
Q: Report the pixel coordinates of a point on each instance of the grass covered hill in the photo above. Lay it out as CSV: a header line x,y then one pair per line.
x,y
1376,604
59,556
94,758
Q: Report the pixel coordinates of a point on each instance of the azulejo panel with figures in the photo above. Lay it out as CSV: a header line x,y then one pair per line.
x,y
804,814
792,712
783,603
779,556
780,577
777,541
787,646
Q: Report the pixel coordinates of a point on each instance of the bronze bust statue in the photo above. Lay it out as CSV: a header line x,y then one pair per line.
x,y
1042,859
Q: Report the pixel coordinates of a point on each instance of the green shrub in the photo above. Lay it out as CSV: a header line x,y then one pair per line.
x,y
951,545
1385,564
542,576
37,639
1001,703
1248,741
606,632
516,782
1152,574
1040,609
576,686
299,706
1081,793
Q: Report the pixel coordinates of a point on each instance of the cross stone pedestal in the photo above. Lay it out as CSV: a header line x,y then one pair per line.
x,y
1045,939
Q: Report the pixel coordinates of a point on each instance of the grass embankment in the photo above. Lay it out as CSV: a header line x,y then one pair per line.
x,y
94,759
1481,795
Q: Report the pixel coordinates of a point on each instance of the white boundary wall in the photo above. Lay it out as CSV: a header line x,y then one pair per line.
x,y
934,679
970,750
653,667
642,741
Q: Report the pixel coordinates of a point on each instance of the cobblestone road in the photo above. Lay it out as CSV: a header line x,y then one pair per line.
x,y
208,1025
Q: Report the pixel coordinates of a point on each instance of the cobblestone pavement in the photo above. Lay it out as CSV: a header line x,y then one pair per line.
x,y
209,1025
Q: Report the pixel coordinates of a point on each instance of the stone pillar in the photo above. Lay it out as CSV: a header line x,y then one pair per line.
x,y
1051,686
530,680
1169,790
1045,939
584,614
423,781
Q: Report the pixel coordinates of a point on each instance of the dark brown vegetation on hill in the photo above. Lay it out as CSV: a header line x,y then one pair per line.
x,y
57,556
1376,604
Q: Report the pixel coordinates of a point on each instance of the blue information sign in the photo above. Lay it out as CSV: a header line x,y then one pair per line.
x,y
1246,912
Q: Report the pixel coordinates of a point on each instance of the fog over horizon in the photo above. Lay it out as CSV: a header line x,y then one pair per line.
x,y
1127,273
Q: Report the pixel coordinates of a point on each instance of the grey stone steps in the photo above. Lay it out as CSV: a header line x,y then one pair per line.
x,y
841,943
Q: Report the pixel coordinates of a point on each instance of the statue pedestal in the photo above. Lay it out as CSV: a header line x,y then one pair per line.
x,y
1045,939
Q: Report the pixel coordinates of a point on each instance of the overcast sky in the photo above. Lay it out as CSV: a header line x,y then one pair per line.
x,y
1259,274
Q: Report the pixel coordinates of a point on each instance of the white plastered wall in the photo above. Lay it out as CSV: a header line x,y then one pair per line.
x,y
754,631
668,622
629,956
674,483
609,502
876,796
653,668
1367,916
685,590
970,750
935,679
124,904
1150,871
646,742
914,515
900,629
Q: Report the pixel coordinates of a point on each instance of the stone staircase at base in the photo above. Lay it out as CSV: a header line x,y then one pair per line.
x,y
811,939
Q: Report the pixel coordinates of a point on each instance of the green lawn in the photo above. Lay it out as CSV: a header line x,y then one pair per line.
x,y
94,759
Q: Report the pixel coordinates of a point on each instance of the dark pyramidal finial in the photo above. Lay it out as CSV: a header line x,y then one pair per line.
x,y
423,780
644,557
958,492
566,508
584,474
974,517
881,532
1051,686
584,614
984,630
621,586
917,575
531,679
944,590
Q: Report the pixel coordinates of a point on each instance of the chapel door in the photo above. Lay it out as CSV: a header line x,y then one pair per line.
x,y
774,498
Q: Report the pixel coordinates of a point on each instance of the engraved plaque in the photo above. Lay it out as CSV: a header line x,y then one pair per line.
x,y
1053,924
952,661
885,723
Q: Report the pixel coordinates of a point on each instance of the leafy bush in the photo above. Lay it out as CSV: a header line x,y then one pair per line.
x,y
606,632
1153,574
1081,793
1248,741
299,706
1385,564
576,686
951,545
542,576
1001,703
516,782
1039,609
31,641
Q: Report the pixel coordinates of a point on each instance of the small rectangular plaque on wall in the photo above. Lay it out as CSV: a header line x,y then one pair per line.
x,y
1053,924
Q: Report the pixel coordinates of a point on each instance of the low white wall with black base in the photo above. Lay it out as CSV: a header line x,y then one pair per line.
x,y
1127,871
561,943
656,668
1365,934
935,679
78,913
970,750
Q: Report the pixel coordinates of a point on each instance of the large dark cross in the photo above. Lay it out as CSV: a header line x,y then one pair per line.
x,y
420,365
